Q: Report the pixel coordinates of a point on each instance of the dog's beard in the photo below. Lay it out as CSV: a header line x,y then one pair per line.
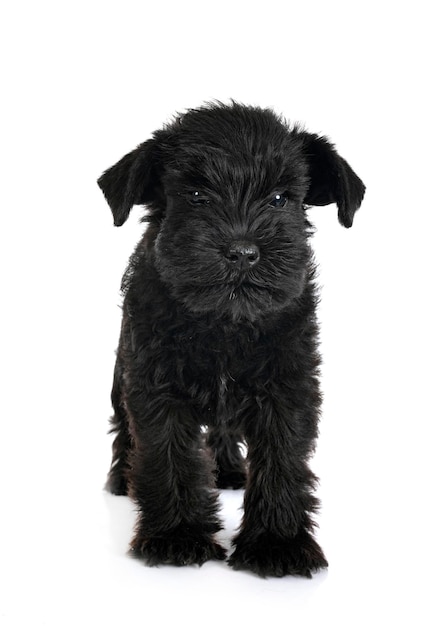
x,y
237,301
238,296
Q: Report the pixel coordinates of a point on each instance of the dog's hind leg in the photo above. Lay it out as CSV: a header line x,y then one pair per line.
x,y
117,476
229,459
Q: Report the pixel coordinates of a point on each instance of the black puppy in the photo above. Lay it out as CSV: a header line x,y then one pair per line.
x,y
219,336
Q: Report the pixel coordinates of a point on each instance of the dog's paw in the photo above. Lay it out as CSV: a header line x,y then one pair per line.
x,y
267,555
179,547
116,484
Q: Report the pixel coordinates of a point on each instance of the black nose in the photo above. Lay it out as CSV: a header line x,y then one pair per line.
x,y
243,254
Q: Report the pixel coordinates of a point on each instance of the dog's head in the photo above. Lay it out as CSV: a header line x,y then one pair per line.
x,y
226,187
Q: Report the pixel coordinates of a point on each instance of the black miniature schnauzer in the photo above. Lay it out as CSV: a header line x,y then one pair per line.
x,y
218,347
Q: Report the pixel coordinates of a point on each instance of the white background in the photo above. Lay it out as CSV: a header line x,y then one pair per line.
x,y
82,84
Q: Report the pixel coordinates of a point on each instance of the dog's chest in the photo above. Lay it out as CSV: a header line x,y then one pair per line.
x,y
221,368
225,354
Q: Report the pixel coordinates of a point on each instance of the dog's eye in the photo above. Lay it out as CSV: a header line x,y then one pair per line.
x,y
279,200
197,198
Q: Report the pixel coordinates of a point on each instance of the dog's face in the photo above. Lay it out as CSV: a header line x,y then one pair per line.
x,y
227,188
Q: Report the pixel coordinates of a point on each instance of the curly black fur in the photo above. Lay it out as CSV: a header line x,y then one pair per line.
x,y
219,335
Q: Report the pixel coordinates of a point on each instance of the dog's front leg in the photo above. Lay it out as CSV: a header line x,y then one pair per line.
x,y
170,479
275,537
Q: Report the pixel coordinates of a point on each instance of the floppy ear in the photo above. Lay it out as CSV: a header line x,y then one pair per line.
x,y
331,178
131,180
